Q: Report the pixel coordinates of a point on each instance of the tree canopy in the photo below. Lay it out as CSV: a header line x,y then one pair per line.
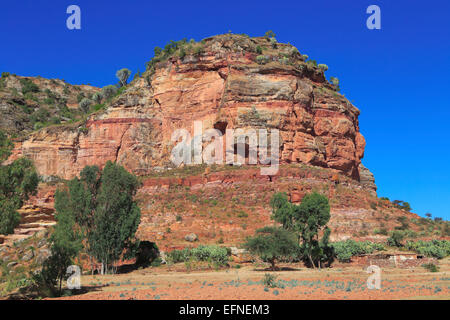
x,y
273,244
307,220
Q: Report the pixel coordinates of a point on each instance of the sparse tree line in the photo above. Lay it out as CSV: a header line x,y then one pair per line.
x,y
108,92
304,236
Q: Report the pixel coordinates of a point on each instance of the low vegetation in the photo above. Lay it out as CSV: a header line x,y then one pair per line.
x,y
345,250
219,256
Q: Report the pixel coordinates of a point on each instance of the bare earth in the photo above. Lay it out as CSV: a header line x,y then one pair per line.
x,y
246,283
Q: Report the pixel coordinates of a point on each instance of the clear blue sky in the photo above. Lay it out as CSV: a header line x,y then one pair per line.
x,y
397,76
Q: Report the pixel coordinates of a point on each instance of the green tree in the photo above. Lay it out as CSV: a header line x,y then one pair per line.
x,y
272,244
123,75
102,207
396,238
18,181
307,220
269,34
116,217
65,244
85,105
109,91
97,97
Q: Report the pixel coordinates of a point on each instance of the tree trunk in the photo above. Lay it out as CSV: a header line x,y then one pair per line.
x,y
312,262
273,264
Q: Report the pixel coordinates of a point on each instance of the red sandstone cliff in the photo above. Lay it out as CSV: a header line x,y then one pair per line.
x,y
224,87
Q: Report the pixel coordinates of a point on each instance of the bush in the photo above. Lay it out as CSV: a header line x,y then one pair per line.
x,y
211,253
269,280
109,91
431,267
262,59
273,42
258,50
434,248
344,250
28,86
396,238
85,104
323,67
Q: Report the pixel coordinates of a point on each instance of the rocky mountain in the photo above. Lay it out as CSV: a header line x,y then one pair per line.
x,y
225,82
229,81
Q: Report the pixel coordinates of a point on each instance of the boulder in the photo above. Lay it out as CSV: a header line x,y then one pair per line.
x,y
191,237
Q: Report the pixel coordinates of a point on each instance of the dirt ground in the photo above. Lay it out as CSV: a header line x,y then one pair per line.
x,y
173,282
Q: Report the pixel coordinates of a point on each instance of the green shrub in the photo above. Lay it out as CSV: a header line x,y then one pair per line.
x,y
211,253
269,280
323,67
431,267
258,50
396,238
262,59
28,86
434,248
344,250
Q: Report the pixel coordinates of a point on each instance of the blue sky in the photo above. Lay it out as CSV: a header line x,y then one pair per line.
x,y
397,76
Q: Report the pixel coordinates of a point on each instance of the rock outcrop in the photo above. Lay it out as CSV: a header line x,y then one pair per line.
x,y
224,87
28,103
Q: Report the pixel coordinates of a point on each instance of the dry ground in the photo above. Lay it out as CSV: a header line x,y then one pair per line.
x,y
246,283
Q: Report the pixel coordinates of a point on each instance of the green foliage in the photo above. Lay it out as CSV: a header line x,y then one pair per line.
x,y
28,86
40,115
323,67
117,216
306,220
404,224
273,42
97,97
262,59
402,205
434,248
103,209
210,253
182,47
123,75
396,238
345,250
5,146
85,105
272,244
18,181
258,50
269,34
335,82
431,267
65,245
109,91
269,280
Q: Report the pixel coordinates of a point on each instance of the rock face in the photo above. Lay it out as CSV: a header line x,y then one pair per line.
x,y
224,87
367,179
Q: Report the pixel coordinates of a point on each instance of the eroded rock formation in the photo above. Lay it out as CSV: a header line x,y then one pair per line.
x,y
224,87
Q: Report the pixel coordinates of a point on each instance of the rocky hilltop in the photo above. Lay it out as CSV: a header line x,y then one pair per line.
x,y
225,81
30,103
